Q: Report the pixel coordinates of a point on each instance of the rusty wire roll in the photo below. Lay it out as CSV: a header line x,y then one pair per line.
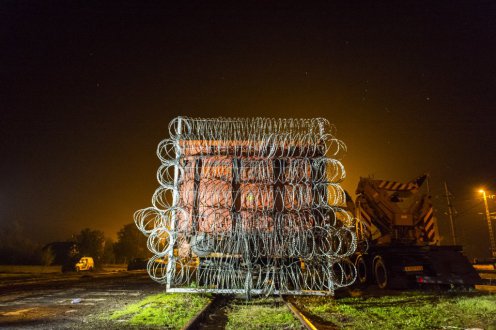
x,y
250,204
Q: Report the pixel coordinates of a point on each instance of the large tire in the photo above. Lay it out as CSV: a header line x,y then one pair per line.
x,y
362,271
381,273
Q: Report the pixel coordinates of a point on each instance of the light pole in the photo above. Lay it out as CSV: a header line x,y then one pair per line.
x,y
450,213
488,218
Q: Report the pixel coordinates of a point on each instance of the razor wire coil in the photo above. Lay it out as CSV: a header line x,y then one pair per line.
x,y
250,203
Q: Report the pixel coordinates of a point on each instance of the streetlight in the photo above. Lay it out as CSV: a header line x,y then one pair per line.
x,y
488,218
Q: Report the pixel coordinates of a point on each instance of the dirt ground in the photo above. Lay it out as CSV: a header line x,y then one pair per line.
x,y
73,301
84,300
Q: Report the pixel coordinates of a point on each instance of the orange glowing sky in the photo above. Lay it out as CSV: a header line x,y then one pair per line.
x,y
87,93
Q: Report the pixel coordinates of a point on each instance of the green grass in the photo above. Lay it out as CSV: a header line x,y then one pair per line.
x,y
408,310
172,311
260,314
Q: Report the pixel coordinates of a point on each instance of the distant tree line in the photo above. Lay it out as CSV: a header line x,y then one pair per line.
x,y
15,248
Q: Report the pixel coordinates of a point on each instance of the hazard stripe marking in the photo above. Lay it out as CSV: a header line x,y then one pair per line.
x,y
430,226
429,213
394,185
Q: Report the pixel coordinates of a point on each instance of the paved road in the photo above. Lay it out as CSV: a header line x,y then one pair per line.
x,y
73,301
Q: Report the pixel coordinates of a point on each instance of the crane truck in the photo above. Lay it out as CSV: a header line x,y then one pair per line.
x,y
402,244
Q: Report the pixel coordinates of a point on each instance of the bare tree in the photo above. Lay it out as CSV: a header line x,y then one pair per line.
x,y
90,243
108,252
130,244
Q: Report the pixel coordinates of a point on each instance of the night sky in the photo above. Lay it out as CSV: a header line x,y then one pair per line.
x,y
87,91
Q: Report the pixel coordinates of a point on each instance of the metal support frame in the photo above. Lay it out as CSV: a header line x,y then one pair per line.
x,y
258,252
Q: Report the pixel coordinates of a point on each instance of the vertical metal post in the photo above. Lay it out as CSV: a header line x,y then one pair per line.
x,y
490,227
450,212
171,265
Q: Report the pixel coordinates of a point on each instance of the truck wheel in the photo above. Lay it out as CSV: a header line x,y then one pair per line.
x,y
380,273
361,269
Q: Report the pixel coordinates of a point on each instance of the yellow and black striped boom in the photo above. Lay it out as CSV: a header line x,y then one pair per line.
x,y
391,211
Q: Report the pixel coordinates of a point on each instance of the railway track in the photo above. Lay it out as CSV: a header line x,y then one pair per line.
x,y
222,310
304,320
216,314
301,310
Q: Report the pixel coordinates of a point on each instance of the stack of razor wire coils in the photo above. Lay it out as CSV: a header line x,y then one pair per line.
x,y
250,204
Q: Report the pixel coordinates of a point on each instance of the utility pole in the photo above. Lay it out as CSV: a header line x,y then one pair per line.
x,y
450,212
488,218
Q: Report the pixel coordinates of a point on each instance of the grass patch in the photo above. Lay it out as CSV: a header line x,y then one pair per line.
x,y
408,310
261,314
170,310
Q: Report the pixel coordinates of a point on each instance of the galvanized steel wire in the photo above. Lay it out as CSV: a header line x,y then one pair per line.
x,y
250,204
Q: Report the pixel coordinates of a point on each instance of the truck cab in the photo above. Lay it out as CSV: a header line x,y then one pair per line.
x,y
396,220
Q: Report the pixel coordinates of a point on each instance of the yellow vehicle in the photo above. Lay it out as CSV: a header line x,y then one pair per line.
x,y
85,263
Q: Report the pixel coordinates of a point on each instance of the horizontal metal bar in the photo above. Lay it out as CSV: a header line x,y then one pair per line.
x,y
253,292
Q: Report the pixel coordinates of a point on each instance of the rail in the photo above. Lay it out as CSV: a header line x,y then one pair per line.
x,y
305,322
215,314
